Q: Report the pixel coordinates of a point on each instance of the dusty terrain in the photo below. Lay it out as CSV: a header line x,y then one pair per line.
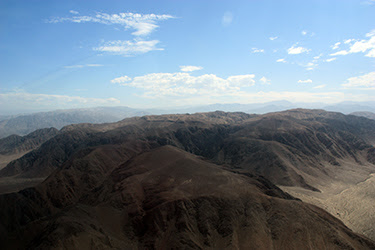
x,y
351,203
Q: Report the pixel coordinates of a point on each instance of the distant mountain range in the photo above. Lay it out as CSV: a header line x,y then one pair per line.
x,y
24,124
27,123
369,115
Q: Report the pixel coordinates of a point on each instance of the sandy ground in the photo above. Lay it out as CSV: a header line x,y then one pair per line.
x,y
354,204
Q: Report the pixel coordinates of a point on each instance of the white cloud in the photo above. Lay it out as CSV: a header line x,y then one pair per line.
x,y
331,59
73,12
181,88
336,45
143,24
20,100
320,86
83,66
371,53
365,45
281,60
310,65
190,68
265,81
297,50
317,57
305,81
183,84
273,38
366,81
340,53
121,79
359,46
371,33
128,48
305,33
256,50
227,19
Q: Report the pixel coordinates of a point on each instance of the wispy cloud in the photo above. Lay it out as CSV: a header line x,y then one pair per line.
x,y
273,38
227,18
281,60
340,53
256,50
318,56
309,33
331,59
143,24
83,66
128,48
320,86
349,41
297,50
190,68
305,81
336,45
265,81
359,46
366,81
121,79
310,65
368,2
73,12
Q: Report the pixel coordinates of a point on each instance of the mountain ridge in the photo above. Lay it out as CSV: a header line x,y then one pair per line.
x,y
26,123
306,150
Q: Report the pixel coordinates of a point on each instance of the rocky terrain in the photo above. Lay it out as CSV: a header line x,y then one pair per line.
x,y
207,180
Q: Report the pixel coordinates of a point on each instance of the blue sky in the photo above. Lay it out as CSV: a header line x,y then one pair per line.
x,y
152,54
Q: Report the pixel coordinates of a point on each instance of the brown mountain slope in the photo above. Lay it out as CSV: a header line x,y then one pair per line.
x,y
306,150
297,144
52,154
14,146
167,198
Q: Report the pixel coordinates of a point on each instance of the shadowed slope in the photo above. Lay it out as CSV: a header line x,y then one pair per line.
x,y
308,149
14,146
168,198
293,148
